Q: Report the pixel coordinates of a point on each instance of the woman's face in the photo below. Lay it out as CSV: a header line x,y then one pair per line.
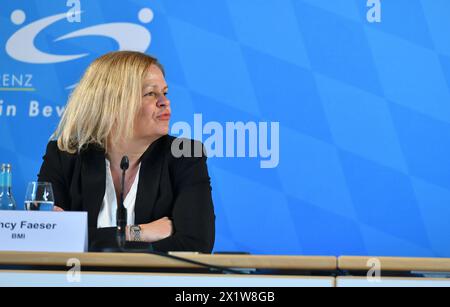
x,y
154,115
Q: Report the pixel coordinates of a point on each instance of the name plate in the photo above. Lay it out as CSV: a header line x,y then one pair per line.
x,y
38,231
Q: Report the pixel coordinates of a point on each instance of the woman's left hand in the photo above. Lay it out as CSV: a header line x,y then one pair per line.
x,y
157,230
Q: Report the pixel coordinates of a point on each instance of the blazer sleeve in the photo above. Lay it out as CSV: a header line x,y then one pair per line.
x,y
193,212
52,171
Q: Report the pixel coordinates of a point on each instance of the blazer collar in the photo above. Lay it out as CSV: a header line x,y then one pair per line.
x,y
93,182
93,177
149,180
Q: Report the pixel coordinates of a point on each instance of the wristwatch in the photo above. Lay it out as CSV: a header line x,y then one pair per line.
x,y
135,233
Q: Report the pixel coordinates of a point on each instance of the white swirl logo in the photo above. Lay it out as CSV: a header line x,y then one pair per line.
x,y
21,45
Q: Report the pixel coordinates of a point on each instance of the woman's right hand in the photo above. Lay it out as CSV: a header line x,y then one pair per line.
x,y
157,230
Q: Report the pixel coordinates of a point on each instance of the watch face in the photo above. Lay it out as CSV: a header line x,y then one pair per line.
x,y
136,230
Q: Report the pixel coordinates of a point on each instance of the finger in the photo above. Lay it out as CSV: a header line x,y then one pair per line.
x,y
57,209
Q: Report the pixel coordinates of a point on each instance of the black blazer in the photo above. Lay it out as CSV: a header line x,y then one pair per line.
x,y
175,187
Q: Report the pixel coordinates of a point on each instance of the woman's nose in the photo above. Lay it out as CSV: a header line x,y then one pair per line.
x,y
163,101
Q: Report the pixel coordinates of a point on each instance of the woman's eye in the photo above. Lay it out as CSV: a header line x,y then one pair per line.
x,y
150,94
166,94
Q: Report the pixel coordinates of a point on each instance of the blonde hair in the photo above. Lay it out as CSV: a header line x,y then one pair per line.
x,y
107,97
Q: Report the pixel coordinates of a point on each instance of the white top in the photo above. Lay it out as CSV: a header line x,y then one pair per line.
x,y
107,215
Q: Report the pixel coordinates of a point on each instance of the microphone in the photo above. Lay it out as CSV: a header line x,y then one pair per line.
x,y
121,216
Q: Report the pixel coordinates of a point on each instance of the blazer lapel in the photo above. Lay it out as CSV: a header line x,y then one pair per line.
x,y
93,177
149,180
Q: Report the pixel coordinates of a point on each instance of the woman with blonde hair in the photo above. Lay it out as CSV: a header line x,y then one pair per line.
x,y
120,108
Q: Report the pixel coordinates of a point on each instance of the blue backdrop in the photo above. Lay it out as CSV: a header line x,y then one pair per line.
x,y
363,109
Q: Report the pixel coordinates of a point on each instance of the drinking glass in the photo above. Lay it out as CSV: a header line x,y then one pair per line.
x,y
39,197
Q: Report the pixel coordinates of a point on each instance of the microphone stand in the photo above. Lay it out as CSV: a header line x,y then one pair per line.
x,y
121,216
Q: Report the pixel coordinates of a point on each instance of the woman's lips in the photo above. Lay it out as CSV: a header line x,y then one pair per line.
x,y
164,116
